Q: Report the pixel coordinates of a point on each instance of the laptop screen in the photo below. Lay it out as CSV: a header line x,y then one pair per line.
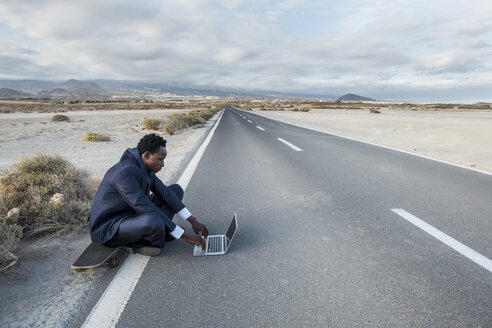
x,y
232,228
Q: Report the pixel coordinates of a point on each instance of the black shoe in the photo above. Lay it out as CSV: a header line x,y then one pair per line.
x,y
144,248
147,250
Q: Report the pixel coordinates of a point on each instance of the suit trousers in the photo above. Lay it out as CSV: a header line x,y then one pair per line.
x,y
149,228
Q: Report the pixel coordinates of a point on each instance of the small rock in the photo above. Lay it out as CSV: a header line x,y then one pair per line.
x,y
12,216
57,199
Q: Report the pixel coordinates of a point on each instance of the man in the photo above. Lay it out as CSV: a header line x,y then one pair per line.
x,y
125,213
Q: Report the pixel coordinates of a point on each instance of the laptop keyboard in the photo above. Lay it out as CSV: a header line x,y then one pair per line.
x,y
214,244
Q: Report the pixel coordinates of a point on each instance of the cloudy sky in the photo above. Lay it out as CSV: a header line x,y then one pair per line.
x,y
386,49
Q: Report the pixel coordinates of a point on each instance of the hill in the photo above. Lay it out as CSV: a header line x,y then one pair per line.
x,y
76,85
28,85
353,97
77,89
7,93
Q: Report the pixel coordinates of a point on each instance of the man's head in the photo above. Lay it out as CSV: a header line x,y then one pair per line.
x,y
152,148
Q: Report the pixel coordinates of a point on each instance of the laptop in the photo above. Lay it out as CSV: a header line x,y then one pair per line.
x,y
218,244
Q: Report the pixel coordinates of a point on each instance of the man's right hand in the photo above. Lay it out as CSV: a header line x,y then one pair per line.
x,y
194,240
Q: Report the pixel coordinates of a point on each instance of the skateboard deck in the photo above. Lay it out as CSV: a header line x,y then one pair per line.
x,y
96,255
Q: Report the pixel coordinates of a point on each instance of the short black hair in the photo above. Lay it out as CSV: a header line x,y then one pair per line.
x,y
150,142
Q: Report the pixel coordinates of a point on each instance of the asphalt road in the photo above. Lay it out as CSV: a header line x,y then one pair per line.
x,y
318,244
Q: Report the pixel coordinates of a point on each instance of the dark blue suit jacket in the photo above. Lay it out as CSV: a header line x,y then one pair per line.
x,y
124,192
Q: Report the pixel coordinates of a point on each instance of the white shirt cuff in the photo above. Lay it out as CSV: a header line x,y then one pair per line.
x,y
177,232
184,214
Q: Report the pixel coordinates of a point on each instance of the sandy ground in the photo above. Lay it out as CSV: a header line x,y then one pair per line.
x,y
23,134
41,290
459,137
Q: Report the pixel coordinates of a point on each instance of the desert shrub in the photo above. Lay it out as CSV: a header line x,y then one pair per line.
x,y
60,118
300,110
95,137
374,111
9,237
31,184
205,114
175,122
151,123
169,128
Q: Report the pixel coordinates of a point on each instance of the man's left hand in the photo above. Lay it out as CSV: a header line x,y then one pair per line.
x,y
198,227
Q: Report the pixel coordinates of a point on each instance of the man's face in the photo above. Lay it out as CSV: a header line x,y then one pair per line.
x,y
154,162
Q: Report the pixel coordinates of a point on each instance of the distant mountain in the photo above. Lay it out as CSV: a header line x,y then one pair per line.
x,y
105,88
28,85
7,93
76,89
75,85
185,89
352,97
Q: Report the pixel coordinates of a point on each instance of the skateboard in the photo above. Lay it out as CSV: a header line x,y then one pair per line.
x,y
96,255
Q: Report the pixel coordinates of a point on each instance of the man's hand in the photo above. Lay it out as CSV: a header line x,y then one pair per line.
x,y
194,240
197,226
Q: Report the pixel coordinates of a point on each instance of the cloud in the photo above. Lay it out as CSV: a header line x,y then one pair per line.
x,y
448,63
295,45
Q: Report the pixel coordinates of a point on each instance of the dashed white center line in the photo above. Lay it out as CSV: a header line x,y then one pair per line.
x,y
289,144
260,128
444,238
250,121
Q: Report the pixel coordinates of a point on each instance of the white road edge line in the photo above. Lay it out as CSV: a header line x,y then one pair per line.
x,y
387,147
108,309
289,144
464,250
260,128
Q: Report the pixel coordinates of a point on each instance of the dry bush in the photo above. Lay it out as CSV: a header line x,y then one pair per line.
x,y
9,237
175,122
205,114
169,129
32,182
60,118
300,110
95,137
272,108
374,111
151,123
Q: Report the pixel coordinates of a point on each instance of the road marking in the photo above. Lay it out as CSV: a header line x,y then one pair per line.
x,y
289,144
387,147
108,309
260,128
444,238
250,121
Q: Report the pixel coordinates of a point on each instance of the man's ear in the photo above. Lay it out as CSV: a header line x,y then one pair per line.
x,y
147,154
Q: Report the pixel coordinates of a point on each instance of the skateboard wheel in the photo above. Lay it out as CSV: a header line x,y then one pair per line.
x,y
113,262
79,270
